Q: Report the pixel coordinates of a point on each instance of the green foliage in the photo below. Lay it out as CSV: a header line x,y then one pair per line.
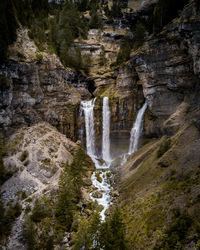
x,y
124,52
70,184
139,35
176,232
88,233
67,199
95,20
102,58
164,147
39,212
23,156
39,57
116,9
29,233
4,174
74,58
7,218
97,175
113,232
94,234
70,24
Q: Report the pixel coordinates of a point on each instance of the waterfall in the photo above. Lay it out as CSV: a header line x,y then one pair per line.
x,y
100,177
88,108
106,131
136,130
102,169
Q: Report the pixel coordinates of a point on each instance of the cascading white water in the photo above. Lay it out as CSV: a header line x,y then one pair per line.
x,y
103,186
106,131
102,169
88,108
136,130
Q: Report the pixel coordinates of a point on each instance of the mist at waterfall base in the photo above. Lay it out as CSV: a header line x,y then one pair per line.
x,y
104,160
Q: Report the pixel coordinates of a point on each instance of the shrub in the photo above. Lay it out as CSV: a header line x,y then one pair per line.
x,y
38,212
4,174
8,217
23,156
176,232
21,56
139,35
124,52
29,234
164,147
39,57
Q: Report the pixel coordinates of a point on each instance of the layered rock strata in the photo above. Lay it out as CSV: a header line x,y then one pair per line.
x,y
168,68
39,88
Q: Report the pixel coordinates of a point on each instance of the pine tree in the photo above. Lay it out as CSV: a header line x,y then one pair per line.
x,y
139,35
88,233
113,232
102,58
66,203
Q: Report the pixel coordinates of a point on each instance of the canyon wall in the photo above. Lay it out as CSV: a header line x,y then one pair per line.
x,y
168,67
165,70
36,91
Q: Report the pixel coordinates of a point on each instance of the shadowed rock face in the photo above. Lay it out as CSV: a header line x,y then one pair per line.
x,y
168,67
41,91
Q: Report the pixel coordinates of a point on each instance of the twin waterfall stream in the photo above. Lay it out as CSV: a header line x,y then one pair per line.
x,y
102,176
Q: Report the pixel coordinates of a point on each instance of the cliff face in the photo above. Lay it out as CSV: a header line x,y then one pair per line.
x,y
40,89
165,69
168,67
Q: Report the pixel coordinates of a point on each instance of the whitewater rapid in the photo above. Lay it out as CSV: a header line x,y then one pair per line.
x,y
102,176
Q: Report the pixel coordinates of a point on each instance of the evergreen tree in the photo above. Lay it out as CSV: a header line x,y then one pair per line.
x,y
113,232
139,35
95,20
69,193
88,234
29,233
66,203
102,58
124,52
116,9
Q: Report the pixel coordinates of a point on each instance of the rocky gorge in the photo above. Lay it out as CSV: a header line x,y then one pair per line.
x,y
40,114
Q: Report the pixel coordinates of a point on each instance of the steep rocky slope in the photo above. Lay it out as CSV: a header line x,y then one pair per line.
x,y
160,189
36,87
36,156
